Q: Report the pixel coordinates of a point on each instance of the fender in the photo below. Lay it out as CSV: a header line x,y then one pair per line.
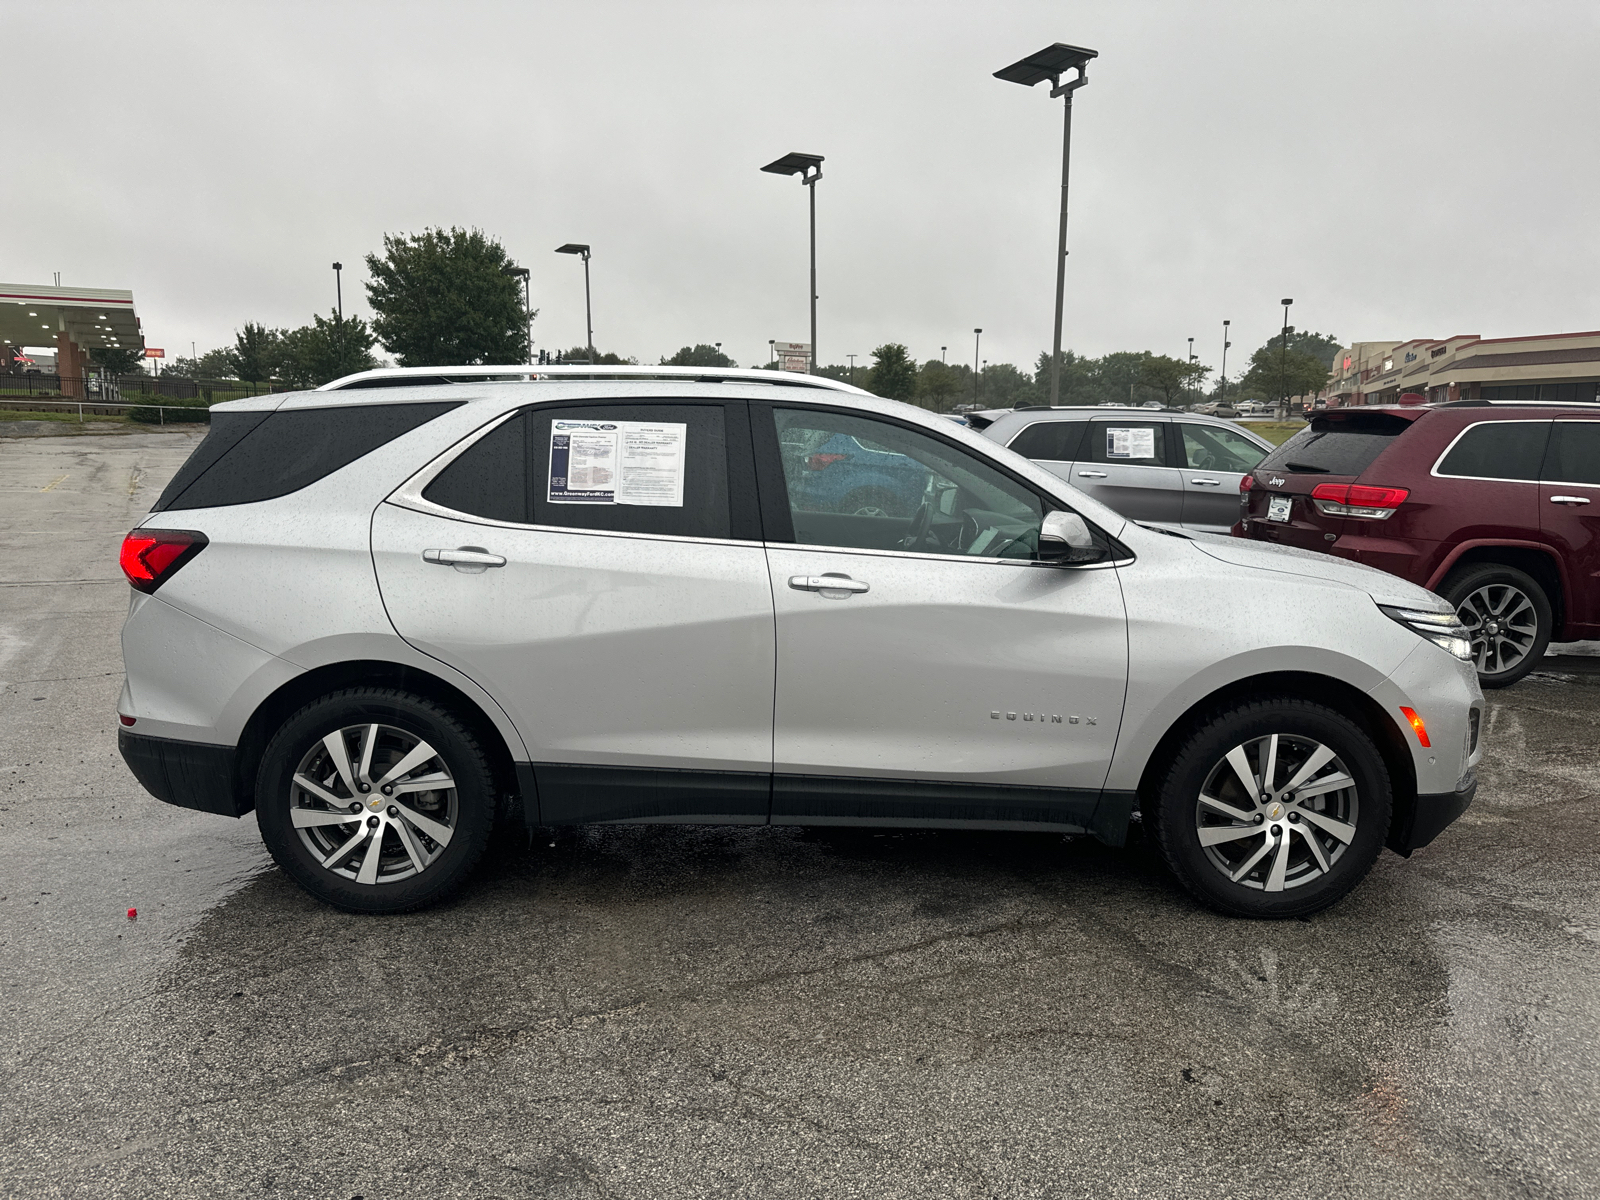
x,y
1450,559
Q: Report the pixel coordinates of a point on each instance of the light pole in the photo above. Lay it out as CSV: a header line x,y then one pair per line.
x,y
1283,363
588,312
942,349
1222,393
338,291
1050,63
527,300
1190,388
852,359
772,351
977,340
809,168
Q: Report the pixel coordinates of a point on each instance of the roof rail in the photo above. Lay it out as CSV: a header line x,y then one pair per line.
x,y
423,376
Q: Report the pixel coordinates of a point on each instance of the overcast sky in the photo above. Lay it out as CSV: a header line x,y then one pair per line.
x,y
1400,169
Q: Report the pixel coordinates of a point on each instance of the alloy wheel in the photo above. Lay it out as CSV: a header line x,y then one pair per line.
x,y
1502,623
1277,812
373,803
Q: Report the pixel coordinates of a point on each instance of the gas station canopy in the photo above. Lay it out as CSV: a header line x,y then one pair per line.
x,y
90,317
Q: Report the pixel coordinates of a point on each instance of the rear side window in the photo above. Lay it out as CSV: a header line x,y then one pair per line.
x,y
286,451
1574,454
1053,441
1138,443
628,468
491,478
1497,450
1342,446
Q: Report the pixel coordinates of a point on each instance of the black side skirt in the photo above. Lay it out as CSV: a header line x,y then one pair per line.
x,y
574,794
187,774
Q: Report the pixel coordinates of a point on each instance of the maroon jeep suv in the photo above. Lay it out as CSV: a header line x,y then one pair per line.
x,y
1494,505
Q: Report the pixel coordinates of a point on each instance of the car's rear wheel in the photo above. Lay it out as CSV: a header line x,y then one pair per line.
x,y
375,801
1508,617
874,502
1273,808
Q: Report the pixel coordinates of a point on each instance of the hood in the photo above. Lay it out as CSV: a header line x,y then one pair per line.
x,y
1291,560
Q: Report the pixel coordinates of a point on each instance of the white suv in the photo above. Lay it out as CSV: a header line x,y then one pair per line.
x,y
392,612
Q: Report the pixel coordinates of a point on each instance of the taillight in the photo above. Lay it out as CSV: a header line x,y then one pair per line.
x,y
152,556
1357,500
818,462
1246,482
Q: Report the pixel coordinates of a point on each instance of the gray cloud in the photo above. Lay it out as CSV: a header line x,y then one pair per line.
x,y
1401,170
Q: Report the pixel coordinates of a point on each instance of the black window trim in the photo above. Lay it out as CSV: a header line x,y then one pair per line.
x,y
1445,453
774,493
743,507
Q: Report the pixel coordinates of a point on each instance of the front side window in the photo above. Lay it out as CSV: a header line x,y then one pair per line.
x,y
1498,450
627,468
1131,443
867,484
1212,448
1574,454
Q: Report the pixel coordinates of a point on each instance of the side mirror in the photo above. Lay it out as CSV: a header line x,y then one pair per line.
x,y
1064,538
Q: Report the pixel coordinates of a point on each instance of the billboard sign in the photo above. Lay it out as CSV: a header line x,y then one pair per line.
x,y
154,352
793,356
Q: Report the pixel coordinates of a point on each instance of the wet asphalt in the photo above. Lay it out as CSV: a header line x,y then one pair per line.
x,y
702,1012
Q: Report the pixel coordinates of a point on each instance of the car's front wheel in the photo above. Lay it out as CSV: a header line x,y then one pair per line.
x,y
375,801
1273,808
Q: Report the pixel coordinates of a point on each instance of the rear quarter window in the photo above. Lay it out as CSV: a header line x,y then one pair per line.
x,y
252,460
1497,450
1053,441
1336,446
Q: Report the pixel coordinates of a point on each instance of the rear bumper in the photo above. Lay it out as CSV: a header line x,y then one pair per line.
x,y
1432,813
187,774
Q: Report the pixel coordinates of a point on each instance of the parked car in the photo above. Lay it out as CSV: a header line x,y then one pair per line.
x,y
1215,408
840,473
1177,468
392,613
1491,505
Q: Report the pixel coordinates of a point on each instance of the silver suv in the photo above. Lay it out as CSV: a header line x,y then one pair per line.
x,y
393,613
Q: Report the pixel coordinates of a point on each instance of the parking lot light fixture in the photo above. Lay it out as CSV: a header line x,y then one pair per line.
x,y
1222,393
1051,63
809,168
588,313
977,340
527,300
1283,361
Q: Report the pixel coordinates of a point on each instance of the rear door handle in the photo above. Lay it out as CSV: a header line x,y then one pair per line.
x,y
1569,500
1207,482
466,558
1091,474
828,583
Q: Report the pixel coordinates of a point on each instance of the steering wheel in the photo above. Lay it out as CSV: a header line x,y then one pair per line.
x,y
916,537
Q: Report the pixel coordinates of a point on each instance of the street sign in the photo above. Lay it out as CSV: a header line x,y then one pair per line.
x,y
153,352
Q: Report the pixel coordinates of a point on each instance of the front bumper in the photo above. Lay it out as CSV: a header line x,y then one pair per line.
x,y
1431,814
187,774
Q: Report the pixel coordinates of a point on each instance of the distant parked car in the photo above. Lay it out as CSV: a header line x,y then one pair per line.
x,y
1494,506
1215,408
843,474
1177,468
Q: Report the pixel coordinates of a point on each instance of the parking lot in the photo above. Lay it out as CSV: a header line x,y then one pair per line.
x,y
670,1011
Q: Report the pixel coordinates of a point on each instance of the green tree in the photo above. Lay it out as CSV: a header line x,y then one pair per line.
x,y
256,351
1172,377
1271,371
116,360
1002,385
699,356
1317,345
894,373
325,350
580,354
937,385
442,298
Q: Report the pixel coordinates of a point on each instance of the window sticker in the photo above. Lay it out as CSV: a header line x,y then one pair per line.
x,y
1130,443
617,462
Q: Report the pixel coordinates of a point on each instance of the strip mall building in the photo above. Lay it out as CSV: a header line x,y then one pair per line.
x,y
1553,367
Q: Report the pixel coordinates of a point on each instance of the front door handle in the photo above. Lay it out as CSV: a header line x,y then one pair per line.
x,y
1569,500
470,559
1207,482
1091,474
843,585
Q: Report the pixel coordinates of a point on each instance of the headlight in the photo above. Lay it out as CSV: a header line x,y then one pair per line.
x,y
1444,630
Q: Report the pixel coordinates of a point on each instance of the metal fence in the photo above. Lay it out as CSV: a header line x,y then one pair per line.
x,y
148,414
97,388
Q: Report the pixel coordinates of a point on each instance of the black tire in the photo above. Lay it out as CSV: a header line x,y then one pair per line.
x,y
1468,587
462,816
1304,886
